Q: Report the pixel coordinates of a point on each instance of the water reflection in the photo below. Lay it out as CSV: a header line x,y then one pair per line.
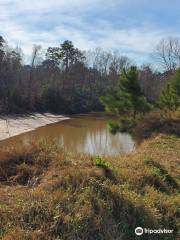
x,y
86,134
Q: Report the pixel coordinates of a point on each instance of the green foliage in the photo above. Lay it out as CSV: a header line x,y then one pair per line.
x,y
170,97
66,55
113,127
124,125
128,99
127,102
130,90
98,161
176,82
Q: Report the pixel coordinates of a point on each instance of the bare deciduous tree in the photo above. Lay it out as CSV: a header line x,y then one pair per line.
x,y
168,54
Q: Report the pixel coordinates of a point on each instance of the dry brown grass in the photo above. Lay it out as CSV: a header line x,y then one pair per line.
x,y
48,194
19,166
158,122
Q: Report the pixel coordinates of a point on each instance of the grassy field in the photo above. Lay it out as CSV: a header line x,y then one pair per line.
x,y
48,194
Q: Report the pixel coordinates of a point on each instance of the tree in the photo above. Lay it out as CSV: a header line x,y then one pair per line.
x,y
128,100
65,55
168,54
73,81
32,89
52,57
69,54
2,42
170,97
176,83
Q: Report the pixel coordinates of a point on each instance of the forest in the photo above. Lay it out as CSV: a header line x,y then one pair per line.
x,y
49,192
64,79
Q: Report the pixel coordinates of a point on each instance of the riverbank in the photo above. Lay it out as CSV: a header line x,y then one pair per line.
x,y
14,125
49,194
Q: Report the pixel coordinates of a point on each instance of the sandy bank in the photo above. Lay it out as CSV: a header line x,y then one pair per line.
x,y
14,125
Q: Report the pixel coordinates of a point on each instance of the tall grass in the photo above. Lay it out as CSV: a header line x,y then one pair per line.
x,y
153,123
48,194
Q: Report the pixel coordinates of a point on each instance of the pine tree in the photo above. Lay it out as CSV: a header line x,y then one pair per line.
x,y
176,83
170,97
128,100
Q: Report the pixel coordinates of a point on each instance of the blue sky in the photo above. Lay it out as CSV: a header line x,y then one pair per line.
x,y
134,27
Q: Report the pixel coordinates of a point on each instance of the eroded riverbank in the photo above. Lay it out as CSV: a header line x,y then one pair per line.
x,y
17,124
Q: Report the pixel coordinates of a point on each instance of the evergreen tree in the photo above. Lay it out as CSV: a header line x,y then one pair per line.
x,y
66,55
128,100
176,83
170,97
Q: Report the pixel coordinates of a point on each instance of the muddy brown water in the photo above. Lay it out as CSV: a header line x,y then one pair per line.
x,y
87,134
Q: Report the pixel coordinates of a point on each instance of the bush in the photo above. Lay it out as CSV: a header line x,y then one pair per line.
x,y
98,161
158,122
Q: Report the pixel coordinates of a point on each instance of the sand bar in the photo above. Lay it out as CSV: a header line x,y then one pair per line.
x,y
17,124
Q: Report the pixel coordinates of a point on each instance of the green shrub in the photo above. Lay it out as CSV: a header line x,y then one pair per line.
x,y
98,161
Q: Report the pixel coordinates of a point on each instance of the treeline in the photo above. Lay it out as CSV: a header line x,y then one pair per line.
x,y
68,80
131,104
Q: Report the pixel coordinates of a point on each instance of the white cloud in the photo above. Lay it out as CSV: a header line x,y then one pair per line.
x,y
49,22
52,5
